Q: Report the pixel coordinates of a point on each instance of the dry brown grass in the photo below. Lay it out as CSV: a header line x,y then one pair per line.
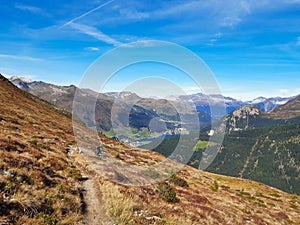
x,y
37,184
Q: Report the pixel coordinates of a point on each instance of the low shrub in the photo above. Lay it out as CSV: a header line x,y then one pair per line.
x,y
214,186
167,193
178,181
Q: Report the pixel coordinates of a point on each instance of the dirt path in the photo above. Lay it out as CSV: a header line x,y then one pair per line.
x,y
95,211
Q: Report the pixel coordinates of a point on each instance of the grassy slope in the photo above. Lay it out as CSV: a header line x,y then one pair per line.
x,y
38,182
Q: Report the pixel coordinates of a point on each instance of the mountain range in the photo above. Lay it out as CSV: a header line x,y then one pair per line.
x,y
204,102
45,180
141,110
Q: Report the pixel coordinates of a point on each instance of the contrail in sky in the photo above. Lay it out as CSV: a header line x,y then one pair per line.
x,y
87,13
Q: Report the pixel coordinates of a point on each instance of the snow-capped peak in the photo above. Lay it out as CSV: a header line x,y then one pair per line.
x,y
257,100
22,79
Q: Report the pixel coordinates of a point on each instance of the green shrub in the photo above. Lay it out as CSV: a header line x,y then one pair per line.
x,y
214,186
48,219
178,181
166,192
74,173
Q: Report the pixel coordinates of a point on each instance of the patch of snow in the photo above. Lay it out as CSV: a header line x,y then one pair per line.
x,y
257,100
23,79
280,102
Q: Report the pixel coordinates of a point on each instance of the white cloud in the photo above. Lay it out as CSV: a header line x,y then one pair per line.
x,y
31,9
92,48
133,14
91,31
18,57
234,12
218,35
192,89
8,73
289,92
230,21
145,43
228,13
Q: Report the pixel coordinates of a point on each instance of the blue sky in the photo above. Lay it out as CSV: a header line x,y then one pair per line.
x,y
252,47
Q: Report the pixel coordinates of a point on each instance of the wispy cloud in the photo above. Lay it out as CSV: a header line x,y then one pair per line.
x,y
133,14
230,21
228,13
145,43
87,13
92,49
91,31
18,57
234,12
215,38
192,89
289,92
31,9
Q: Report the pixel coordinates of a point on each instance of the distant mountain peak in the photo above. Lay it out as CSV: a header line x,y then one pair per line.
x,y
247,110
268,104
240,119
257,100
22,79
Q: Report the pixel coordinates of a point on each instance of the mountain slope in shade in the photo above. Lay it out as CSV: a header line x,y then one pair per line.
x,y
39,182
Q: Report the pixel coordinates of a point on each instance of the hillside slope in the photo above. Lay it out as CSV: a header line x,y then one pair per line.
x,y
39,182
188,197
